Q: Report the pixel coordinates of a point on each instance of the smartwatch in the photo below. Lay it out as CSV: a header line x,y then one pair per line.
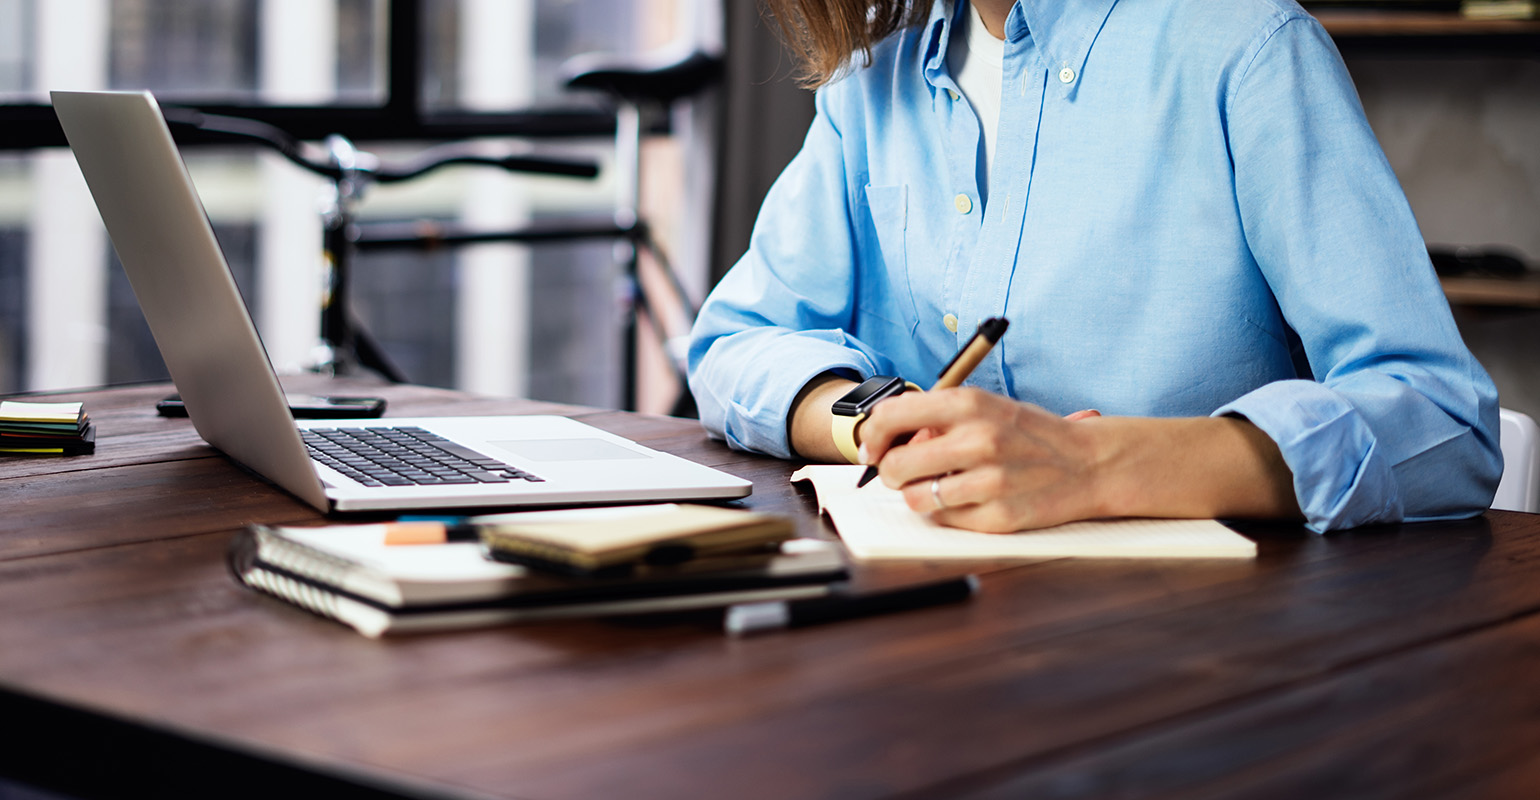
x,y
851,410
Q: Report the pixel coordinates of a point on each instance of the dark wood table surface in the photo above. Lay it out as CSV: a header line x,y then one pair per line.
x,y
1401,661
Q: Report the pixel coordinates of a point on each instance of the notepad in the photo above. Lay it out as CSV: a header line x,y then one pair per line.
x,y
45,429
40,413
876,524
584,540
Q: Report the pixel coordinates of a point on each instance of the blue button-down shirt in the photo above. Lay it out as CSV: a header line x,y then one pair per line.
x,y
1188,215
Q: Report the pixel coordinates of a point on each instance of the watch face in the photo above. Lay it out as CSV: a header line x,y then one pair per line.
x,y
860,399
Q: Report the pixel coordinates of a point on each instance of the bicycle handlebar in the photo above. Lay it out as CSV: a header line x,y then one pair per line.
x,y
427,161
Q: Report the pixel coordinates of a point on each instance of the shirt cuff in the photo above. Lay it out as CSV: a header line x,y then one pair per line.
x,y
1341,480
757,415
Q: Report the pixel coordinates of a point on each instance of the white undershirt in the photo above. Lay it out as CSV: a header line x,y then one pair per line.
x,y
975,58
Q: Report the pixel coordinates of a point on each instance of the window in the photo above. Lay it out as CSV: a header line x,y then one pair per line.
x,y
395,75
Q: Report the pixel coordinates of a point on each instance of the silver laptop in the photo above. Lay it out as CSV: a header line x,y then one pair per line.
x,y
209,344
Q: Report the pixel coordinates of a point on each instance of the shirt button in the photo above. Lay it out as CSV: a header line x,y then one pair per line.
x,y
950,321
952,93
964,203
1066,75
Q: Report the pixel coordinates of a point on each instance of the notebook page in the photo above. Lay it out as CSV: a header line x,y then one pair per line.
x,y
365,545
875,523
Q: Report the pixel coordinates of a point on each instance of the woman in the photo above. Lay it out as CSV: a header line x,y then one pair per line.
x,y
1179,206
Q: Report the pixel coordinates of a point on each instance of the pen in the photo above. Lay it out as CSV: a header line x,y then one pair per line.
x,y
961,366
750,618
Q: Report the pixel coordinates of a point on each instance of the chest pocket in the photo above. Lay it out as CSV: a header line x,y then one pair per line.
x,y
886,294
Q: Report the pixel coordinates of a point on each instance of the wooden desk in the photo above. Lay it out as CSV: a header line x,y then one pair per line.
x,y
1402,661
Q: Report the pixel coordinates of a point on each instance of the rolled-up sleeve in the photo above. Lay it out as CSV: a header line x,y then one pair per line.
x,y
1400,421
780,316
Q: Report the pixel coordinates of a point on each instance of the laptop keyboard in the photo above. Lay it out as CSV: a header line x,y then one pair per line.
x,y
405,456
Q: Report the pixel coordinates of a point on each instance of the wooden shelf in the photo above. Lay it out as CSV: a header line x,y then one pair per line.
x,y
1509,292
1362,23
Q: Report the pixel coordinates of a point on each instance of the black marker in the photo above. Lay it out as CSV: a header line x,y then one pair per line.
x,y
749,618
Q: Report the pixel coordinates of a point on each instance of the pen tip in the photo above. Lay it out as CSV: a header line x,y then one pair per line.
x,y
866,477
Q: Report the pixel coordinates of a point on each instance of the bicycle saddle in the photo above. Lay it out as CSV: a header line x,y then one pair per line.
x,y
645,77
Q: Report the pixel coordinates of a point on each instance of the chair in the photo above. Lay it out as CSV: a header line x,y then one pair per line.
x,y
1520,486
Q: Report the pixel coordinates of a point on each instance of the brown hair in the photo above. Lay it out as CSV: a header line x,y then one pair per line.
x,y
824,35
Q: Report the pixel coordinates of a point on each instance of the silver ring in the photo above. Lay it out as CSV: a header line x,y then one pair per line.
x,y
935,492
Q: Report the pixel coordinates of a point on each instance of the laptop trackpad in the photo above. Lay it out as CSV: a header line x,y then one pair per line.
x,y
568,450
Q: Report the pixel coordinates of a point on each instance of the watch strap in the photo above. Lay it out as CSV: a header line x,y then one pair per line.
x,y
844,431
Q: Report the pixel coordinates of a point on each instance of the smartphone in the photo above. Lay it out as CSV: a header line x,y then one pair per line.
x,y
302,406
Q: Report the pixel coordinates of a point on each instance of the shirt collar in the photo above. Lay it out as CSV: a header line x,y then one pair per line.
x,y
1064,31
938,32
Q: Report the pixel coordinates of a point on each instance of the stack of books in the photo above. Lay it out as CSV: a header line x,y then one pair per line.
x,y
434,575
45,429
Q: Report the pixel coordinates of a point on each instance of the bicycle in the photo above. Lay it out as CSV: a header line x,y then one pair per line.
x,y
634,87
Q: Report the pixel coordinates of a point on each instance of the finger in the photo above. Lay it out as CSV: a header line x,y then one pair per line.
x,y
948,491
983,518
903,439
949,500
911,412
924,434
929,495
920,460
975,502
1002,433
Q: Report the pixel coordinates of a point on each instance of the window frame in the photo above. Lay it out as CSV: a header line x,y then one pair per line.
x,y
401,117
